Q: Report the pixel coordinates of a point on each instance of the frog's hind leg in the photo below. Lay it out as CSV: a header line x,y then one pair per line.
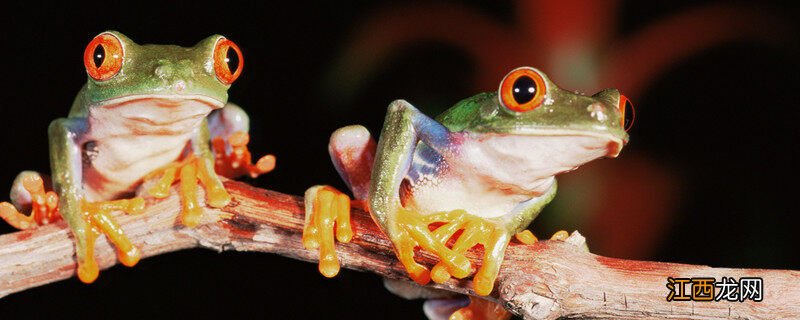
x,y
30,192
86,219
327,209
229,128
352,151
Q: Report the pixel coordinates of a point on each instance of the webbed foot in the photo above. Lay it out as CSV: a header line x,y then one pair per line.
x,y
328,214
476,230
97,216
326,208
188,172
238,161
408,229
28,191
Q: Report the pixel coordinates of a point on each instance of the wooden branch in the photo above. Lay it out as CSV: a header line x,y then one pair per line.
x,y
547,280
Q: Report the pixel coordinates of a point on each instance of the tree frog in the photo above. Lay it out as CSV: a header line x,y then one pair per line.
x,y
147,111
477,174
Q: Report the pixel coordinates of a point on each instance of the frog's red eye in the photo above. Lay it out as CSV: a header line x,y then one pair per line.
x,y
228,61
103,57
523,89
627,112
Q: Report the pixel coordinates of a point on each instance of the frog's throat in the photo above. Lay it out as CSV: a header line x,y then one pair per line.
x,y
165,99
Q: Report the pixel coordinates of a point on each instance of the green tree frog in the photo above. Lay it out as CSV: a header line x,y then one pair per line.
x,y
484,168
147,111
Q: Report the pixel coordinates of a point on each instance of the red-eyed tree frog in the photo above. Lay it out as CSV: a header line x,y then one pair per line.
x,y
147,111
484,167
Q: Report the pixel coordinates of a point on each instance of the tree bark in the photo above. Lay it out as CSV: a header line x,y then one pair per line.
x,y
547,280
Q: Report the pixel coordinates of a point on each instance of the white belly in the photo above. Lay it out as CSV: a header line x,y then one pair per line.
x,y
122,162
476,197
126,143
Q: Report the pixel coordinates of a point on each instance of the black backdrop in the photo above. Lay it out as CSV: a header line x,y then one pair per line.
x,y
738,165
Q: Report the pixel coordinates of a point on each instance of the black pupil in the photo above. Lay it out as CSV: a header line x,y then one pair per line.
x,y
99,55
524,89
232,59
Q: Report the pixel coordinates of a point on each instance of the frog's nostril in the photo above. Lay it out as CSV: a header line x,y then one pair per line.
x,y
597,111
179,85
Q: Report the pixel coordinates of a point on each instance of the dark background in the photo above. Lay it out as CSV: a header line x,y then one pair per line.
x,y
723,122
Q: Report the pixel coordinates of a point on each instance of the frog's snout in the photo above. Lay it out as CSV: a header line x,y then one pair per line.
x,y
605,116
179,85
610,103
614,148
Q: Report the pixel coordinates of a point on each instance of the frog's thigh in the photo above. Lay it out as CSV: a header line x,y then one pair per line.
x,y
21,197
352,151
227,121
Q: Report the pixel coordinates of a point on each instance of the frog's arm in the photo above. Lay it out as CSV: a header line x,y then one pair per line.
x,y
403,128
229,158
218,197
66,168
522,216
85,218
198,166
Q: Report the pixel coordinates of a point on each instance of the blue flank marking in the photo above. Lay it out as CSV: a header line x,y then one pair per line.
x,y
434,139
426,162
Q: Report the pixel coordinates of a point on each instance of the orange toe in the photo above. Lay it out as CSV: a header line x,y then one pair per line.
x,y
526,237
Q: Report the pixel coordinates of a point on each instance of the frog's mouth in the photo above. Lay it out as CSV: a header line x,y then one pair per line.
x,y
161,110
610,142
162,100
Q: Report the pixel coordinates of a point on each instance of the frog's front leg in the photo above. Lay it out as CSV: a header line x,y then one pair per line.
x,y
403,128
198,166
86,219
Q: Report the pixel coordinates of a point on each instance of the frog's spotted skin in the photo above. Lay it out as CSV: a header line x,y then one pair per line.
x,y
485,167
147,111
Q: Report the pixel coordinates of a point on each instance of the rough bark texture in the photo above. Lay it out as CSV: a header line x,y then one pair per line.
x,y
546,280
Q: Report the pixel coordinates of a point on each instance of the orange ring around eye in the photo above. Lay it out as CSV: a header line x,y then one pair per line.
x,y
623,110
108,62
221,62
507,89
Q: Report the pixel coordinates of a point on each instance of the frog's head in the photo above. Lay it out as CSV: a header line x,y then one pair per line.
x,y
122,72
534,126
529,104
